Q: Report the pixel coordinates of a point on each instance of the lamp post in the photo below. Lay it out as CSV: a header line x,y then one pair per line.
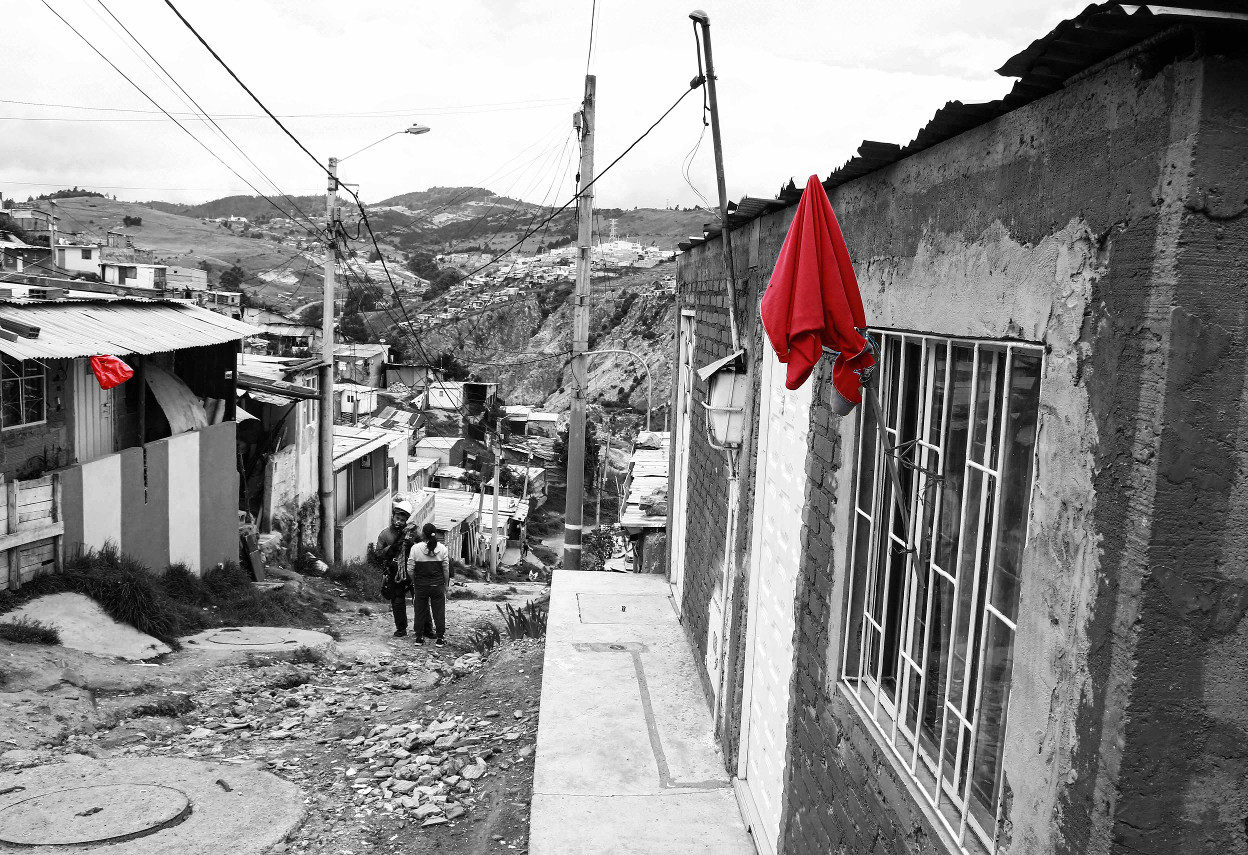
x,y
649,378
326,443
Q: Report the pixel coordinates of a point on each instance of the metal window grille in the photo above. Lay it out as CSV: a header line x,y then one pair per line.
x,y
23,392
932,608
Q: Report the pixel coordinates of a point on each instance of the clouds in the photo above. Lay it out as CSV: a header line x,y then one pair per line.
x,y
801,84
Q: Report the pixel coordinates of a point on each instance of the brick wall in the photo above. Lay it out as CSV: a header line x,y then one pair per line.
x,y
1060,223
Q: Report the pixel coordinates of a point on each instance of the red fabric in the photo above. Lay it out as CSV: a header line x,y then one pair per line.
x,y
110,371
812,300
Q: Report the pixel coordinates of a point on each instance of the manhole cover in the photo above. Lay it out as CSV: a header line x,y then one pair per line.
x,y
102,814
251,636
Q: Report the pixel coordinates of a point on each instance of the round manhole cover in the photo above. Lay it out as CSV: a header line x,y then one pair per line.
x,y
102,814
251,636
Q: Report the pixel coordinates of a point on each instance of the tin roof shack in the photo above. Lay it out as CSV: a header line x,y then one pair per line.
x,y
420,471
354,402
148,465
645,511
362,363
457,521
1046,662
279,447
447,450
415,377
510,519
369,466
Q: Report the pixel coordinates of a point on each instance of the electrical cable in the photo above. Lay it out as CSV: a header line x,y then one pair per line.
x,y
246,89
376,114
593,14
141,91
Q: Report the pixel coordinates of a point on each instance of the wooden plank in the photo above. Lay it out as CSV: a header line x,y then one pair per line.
x,y
15,572
58,543
32,483
36,515
38,496
36,560
12,542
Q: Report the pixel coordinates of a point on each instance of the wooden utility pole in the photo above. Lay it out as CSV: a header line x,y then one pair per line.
x,y
498,455
327,370
574,509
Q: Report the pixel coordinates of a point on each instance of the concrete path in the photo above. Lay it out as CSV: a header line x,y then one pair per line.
x,y
626,760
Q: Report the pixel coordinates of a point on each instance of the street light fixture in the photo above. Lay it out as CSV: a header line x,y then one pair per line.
x,y
326,449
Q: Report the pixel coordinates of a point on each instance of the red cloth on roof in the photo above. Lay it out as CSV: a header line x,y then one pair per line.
x,y
812,300
110,371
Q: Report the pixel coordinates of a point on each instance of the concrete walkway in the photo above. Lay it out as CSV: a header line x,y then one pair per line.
x,y
626,760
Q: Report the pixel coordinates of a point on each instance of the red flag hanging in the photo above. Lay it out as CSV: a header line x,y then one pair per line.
x,y
110,371
812,301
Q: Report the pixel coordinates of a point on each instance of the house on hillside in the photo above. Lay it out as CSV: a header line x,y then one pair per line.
x,y
1033,646
447,450
17,256
78,258
228,303
185,281
370,466
362,363
134,275
645,512
457,521
353,402
148,465
279,447
420,471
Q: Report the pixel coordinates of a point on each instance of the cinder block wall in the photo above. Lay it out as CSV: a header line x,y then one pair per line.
x,y
1106,221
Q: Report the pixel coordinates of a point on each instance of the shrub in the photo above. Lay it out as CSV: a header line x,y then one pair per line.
x,y
528,621
24,630
170,706
361,579
484,638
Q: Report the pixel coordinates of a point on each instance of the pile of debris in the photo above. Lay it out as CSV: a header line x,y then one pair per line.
x,y
427,767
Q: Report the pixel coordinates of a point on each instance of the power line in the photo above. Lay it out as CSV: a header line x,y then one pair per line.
x,y
142,92
239,81
536,103
593,14
204,114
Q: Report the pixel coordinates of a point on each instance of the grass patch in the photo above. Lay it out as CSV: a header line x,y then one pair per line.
x,y
544,554
361,579
528,621
25,630
169,604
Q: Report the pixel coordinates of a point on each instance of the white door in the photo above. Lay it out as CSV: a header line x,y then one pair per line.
x,y
94,416
776,553
680,448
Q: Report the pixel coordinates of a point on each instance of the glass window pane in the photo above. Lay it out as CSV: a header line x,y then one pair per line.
x,y
898,562
983,403
912,699
1016,468
9,367
982,576
949,751
936,357
858,581
941,625
866,457
954,460
990,736
32,399
11,402
965,617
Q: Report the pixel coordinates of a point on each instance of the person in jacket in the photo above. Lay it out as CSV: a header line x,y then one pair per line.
x,y
429,570
392,548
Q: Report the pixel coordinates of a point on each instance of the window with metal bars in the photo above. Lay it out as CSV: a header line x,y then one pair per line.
x,y
935,582
23,392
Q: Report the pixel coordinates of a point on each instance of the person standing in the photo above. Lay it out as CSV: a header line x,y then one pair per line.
x,y
392,548
429,570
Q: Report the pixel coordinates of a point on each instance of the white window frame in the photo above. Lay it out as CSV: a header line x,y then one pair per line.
x,y
949,802
42,375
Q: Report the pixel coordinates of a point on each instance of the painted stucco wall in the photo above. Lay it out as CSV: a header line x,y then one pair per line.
x,y
1105,221
361,528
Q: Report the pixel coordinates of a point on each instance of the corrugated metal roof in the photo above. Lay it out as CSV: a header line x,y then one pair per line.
x,y
452,507
69,329
352,443
1101,34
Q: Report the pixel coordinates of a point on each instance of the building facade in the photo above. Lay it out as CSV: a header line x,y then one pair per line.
x,y
1038,645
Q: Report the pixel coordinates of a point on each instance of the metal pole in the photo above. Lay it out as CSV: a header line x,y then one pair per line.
x,y
327,372
704,20
498,454
574,508
645,367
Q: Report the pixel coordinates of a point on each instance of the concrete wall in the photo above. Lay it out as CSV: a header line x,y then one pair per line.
x,y
1105,221
357,531
179,507
291,473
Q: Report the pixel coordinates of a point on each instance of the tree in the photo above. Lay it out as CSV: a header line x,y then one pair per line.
x,y
422,264
374,256
353,326
232,279
591,452
312,314
132,221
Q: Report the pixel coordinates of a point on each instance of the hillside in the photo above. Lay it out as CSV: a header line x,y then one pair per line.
x,y
251,207
174,238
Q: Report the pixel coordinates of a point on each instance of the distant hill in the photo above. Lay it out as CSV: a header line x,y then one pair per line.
x,y
251,207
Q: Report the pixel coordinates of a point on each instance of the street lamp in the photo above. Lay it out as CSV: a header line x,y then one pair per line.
x,y
326,445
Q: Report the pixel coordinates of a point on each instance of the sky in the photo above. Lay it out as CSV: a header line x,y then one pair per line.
x,y
800,82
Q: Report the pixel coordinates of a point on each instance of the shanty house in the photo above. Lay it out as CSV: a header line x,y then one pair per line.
x,y
447,450
644,515
456,517
148,465
362,363
1049,656
370,467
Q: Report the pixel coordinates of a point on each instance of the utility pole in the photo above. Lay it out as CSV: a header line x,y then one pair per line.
x,y
498,454
327,371
701,18
574,509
